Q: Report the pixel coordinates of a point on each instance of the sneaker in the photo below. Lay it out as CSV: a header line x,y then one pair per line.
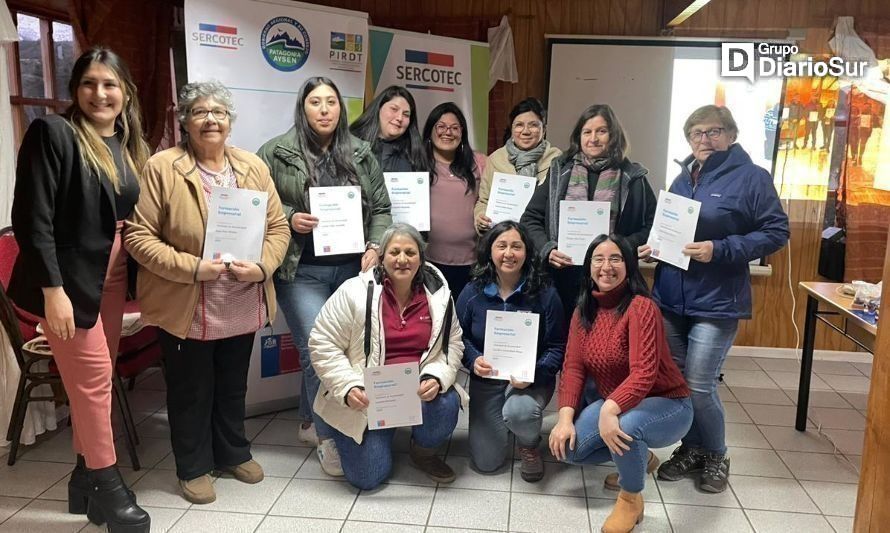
x,y
307,435
247,472
426,460
611,481
531,467
715,473
198,490
683,461
329,458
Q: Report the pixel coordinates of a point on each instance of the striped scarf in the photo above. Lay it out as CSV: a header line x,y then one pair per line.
x,y
607,184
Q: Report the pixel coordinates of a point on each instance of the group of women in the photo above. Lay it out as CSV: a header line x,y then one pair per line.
x,y
88,194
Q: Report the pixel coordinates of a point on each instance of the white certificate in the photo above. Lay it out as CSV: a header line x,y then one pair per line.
x,y
409,193
676,218
814,116
511,344
236,224
510,194
579,223
340,229
392,395
865,121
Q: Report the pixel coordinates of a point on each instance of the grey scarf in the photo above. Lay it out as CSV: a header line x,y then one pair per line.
x,y
526,161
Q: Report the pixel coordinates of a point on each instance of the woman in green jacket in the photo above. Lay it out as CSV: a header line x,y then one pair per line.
x,y
318,151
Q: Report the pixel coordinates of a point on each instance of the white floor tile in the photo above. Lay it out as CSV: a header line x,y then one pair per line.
x,y
684,492
471,509
405,473
848,383
559,479
255,426
655,519
291,414
840,368
740,363
218,522
772,415
776,522
27,479
290,524
162,520
752,462
819,467
59,491
400,504
595,475
785,438
52,448
467,478
849,442
146,400
822,398
155,426
771,494
454,530
237,497
830,418
778,365
160,488
865,368
149,451
9,506
745,436
791,380
316,499
726,396
460,443
841,524
280,461
749,378
279,432
379,527
858,400
836,499
694,518
760,395
536,512
43,516
733,412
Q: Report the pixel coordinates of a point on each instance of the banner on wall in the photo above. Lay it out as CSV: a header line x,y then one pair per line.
x,y
436,70
264,50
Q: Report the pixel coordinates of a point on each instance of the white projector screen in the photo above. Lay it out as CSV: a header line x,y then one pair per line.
x,y
653,84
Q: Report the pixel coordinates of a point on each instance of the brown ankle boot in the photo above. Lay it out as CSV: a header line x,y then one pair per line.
x,y
426,460
627,513
611,481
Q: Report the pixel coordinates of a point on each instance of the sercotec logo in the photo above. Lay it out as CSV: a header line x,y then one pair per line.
x,y
433,79
764,60
216,36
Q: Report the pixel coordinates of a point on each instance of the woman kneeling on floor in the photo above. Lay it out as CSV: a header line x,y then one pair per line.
x,y
617,338
411,320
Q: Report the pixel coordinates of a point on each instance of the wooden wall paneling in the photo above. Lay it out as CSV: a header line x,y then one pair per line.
x,y
782,15
800,13
617,11
716,14
650,18
633,17
601,17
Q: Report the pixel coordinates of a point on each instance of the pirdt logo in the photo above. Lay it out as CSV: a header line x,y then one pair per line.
x,y
285,44
429,71
347,47
216,36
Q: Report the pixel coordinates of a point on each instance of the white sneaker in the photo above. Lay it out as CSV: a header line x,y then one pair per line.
x,y
308,435
329,458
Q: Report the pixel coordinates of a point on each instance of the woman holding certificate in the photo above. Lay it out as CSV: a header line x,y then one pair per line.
x,y
208,309
389,123
506,279
740,220
399,314
316,156
76,182
617,338
454,184
525,153
595,168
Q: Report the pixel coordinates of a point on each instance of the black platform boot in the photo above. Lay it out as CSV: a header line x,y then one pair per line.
x,y
79,488
110,501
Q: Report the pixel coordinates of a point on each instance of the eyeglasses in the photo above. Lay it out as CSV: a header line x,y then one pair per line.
x,y
454,129
599,260
532,126
218,113
713,133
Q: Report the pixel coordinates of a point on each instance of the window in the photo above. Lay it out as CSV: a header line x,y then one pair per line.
x,y
39,67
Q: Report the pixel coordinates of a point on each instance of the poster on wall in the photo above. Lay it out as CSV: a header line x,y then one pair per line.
x,y
263,51
436,70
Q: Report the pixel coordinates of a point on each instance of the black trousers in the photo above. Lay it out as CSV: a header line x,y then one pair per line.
x,y
206,385
567,281
457,277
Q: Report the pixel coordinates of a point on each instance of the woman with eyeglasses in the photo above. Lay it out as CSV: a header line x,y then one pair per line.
x,y
454,189
741,219
596,168
525,152
617,338
208,311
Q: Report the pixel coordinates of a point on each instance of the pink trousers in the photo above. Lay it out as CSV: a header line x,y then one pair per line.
x,y
86,361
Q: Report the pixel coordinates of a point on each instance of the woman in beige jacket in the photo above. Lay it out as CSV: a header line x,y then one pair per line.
x,y
525,152
208,310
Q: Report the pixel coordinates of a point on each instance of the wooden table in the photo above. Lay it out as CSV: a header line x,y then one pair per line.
x,y
852,327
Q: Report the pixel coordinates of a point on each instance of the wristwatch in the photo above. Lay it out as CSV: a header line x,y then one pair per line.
x,y
372,246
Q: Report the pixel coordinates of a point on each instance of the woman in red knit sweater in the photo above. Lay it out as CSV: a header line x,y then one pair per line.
x,y
617,338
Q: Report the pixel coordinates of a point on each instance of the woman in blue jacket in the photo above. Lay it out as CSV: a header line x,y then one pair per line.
x,y
506,279
741,220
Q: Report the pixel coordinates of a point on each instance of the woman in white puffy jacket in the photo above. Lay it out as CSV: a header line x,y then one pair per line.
x,y
400,312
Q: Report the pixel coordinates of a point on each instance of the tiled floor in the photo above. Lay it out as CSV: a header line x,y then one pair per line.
x,y
781,480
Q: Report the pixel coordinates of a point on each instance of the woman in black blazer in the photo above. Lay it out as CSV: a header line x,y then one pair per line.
x,y
76,181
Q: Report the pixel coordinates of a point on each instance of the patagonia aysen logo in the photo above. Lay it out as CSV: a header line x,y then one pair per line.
x,y
768,60
285,44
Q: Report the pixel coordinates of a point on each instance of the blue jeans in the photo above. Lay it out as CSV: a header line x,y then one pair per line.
x,y
301,300
654,423
496,410
369,464
699,347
